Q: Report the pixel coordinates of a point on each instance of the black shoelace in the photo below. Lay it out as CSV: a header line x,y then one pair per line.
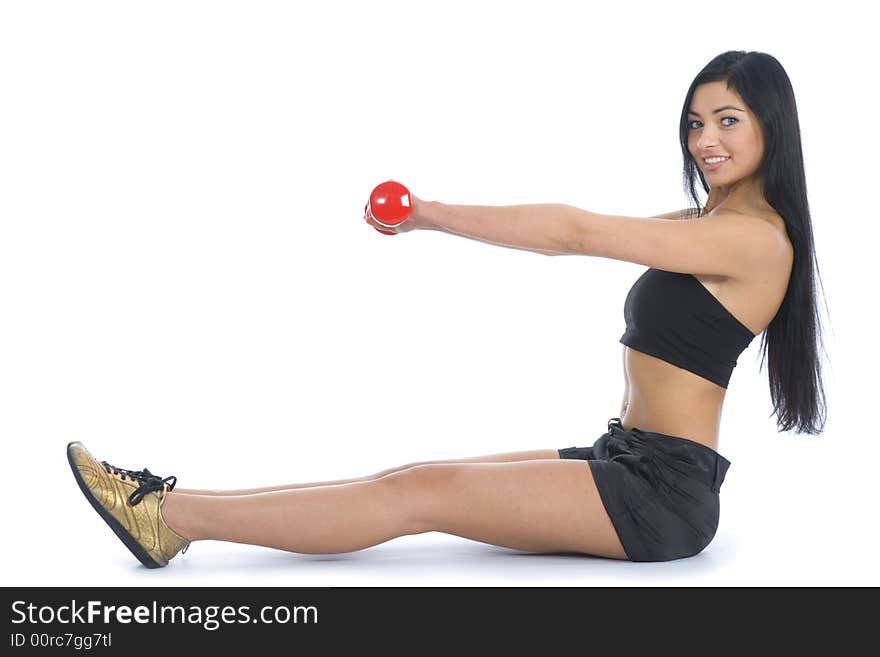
x,y
148,481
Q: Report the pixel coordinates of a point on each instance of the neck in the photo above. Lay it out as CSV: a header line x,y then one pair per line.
x,y
745,196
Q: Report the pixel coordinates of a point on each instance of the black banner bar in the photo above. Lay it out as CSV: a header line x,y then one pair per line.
x,y
125,619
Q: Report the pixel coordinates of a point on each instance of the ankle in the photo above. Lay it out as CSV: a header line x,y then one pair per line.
x,y
174,515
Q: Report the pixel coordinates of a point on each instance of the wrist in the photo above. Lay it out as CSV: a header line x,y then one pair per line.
x,y
424,214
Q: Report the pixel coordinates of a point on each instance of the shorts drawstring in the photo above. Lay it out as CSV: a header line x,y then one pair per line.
x,y
720,465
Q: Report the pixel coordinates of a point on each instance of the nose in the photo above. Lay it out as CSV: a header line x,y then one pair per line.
x,y
707,140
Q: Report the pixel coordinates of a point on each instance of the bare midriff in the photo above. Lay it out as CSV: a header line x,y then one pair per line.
x,y
667,399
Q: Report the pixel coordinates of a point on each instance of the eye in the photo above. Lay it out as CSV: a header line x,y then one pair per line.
x,y
732,118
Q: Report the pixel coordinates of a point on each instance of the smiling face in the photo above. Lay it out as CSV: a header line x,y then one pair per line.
x,y
733,132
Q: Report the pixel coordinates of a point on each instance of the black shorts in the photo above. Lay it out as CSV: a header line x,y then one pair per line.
x,y
661,492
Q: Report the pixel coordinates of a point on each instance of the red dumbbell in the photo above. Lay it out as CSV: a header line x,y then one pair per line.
x,y
390,205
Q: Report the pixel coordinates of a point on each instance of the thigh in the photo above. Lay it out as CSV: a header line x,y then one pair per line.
x,y
543,505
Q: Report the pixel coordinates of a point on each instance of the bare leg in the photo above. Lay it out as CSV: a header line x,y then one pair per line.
x,y
489,458
543,505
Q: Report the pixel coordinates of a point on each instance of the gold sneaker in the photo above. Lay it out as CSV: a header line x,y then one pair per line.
x,y
130,501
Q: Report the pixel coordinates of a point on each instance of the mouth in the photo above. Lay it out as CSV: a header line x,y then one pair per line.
x,y
715,165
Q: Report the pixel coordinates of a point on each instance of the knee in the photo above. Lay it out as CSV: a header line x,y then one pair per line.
x,y
416,478
418,490
389,471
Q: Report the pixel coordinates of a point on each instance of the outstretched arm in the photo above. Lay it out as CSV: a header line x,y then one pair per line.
x,y
547,228
729,245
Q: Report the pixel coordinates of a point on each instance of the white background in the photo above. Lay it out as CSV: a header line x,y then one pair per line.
x,y
187,283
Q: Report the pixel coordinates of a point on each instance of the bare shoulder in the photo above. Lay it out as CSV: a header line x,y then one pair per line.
x,y
779,253
772,227
755,293
784,251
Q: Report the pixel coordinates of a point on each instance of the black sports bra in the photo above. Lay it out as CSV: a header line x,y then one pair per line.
x,y
673,317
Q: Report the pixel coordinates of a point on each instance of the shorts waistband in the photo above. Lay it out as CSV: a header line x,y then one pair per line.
x,y
717,464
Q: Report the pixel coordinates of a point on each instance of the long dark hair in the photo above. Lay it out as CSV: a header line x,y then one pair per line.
x,y
795,332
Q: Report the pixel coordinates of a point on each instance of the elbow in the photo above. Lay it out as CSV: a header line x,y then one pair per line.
x,y
574,241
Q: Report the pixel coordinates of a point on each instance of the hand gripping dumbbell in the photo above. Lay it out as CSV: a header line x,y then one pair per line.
x,y
389,206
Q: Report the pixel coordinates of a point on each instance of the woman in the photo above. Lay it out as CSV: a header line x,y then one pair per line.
x,y
648,488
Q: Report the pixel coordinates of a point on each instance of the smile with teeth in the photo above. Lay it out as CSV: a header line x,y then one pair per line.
x,y
715,160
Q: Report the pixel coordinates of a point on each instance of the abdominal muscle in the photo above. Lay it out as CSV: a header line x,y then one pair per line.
x,y
666,399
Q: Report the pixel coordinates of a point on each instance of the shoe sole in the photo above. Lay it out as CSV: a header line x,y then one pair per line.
x,y
115,525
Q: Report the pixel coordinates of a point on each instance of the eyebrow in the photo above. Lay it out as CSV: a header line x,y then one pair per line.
x,y
720,109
